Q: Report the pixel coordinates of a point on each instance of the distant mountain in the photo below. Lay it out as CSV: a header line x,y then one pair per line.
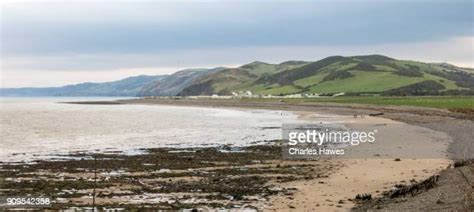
x,y
173,84
126,87
365,74
453,67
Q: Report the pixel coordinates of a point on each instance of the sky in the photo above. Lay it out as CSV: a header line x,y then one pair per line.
x,y
54,43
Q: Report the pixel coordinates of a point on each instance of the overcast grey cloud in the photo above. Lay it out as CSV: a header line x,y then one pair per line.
x,y
81,36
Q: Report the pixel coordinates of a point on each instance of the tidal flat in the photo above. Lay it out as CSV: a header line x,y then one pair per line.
x,y
164,178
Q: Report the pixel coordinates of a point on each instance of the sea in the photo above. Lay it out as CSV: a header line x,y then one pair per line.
x,y
38,128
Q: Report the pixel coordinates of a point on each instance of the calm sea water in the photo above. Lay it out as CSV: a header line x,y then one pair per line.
x,y
35,127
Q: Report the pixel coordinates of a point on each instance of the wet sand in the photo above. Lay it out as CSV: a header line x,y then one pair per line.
x,y
459,126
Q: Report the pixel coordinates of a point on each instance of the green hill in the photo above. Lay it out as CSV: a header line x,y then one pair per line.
x,y
338,74
235,79
355,75
222,82
173,84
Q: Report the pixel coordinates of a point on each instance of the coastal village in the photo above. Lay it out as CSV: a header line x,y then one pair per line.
x,y
246,94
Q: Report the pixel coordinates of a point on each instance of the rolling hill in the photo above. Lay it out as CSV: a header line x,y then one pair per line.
x,y
173,84
354,75
235,79
126,87
366,74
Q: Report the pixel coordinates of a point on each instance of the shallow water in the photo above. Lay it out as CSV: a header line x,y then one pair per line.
x,y
37,127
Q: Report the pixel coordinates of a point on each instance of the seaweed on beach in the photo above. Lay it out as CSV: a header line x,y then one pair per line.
x,y
398,194
209,176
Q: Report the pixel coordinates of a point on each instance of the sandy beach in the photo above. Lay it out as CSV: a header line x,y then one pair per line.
x,y
356,176
441,137
423,152
256,176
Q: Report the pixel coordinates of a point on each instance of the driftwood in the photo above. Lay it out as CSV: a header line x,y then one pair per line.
x,y
376,114
415,188
363,197
460,163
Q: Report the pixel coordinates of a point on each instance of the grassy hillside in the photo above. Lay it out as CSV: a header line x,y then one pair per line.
x,y
237,79
222,82
173,84
262,68
337,74
356,75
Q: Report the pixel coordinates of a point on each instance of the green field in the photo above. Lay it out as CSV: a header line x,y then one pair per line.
x,y
365,81
445,102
